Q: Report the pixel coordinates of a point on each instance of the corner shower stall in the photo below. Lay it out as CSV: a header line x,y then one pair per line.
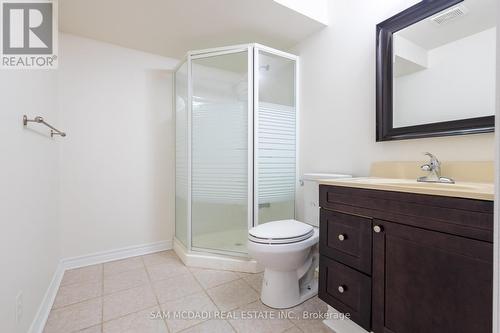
x,y
236,145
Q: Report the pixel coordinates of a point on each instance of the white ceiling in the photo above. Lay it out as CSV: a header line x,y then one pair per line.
x,y
172,27
426,34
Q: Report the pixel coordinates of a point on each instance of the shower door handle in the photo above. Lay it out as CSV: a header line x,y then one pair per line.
x,y
265,205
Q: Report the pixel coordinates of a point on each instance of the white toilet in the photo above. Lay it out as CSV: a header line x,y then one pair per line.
x,y
288,251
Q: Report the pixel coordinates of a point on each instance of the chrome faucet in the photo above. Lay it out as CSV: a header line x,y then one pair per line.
x,y
434,168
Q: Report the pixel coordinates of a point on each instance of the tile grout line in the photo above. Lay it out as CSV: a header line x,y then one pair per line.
x,y
157,300
256,290
77,283
215,270
239,306
235,309
125,315
300,329
258,300
154,293
102,298
248,284
142,270
150,284
103,295
52,309
74,303
204,321
231,325
121,272
205,290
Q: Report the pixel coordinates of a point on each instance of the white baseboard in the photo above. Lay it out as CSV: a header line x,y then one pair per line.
x,y
340,324
116,254
91,259
48,300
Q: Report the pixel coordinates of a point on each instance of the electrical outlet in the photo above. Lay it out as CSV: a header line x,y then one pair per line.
x,y
19,307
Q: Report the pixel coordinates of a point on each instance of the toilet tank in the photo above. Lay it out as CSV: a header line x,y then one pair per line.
x,y
311,194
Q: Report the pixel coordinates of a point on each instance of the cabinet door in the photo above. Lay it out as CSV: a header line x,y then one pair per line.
x,y
430,282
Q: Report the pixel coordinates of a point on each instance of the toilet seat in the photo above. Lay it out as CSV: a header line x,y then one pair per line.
x,y
281,232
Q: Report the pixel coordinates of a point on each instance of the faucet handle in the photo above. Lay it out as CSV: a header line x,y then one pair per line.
x,y
430,155
434,161
425,167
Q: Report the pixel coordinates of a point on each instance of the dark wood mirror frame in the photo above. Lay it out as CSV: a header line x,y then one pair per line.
x,y
385,129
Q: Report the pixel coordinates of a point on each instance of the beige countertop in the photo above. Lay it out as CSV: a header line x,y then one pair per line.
x,y
469,190
464,171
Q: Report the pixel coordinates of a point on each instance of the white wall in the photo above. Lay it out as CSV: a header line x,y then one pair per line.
x,y
315,9
337,123
108,184
117,162
29,243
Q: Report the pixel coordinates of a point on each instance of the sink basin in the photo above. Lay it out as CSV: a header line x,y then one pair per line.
x,y
441,186
482,191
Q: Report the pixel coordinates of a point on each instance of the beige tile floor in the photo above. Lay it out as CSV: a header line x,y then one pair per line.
x,y
122,297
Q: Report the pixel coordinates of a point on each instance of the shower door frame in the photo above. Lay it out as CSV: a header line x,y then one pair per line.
x,y
256,48
253,103
206,53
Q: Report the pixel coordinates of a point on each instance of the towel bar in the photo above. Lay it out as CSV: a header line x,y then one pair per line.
x,y
53,130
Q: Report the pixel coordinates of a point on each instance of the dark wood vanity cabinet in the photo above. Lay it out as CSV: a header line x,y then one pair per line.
x,y
407,263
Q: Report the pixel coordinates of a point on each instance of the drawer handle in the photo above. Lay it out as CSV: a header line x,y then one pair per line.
x,y
377,229
342,289
342,237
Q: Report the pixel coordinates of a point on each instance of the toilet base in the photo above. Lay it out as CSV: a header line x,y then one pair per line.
x,y
281,290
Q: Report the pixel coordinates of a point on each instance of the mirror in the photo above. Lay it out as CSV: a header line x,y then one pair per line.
x,y
436,65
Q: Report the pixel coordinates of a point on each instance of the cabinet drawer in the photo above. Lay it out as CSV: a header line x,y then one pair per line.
x,y
347,239
347,290
457,216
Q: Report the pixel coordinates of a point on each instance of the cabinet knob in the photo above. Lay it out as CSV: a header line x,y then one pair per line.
x,y
341,289
342,237
377,229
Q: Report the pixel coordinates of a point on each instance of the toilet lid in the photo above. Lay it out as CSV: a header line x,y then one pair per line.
x,y
281,232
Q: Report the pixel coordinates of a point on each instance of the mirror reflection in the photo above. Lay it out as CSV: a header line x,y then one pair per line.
x,y
444,66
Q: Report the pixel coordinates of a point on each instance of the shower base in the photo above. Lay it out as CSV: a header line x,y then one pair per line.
x,y
227,240
202,259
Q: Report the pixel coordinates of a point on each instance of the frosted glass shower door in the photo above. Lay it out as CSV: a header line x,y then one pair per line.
x,y
220,152
275,137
